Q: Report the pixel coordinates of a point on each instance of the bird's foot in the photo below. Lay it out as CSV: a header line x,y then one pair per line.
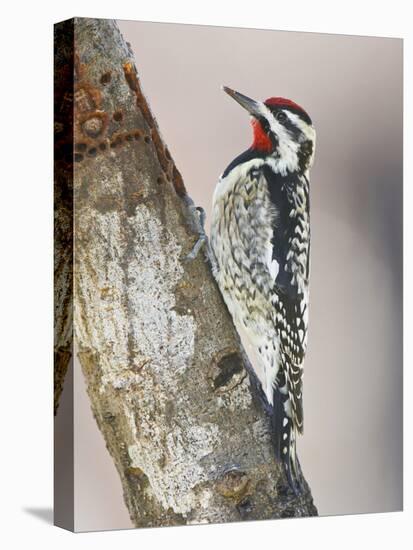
x,y
202,236
198,221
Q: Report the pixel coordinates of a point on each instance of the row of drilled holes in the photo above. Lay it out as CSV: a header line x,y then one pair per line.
x,y
81,148
143,107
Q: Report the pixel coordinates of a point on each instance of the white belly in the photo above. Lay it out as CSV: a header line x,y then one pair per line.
x,y
249,312
241,233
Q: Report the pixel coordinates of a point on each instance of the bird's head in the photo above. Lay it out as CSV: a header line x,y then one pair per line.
x,y
282,130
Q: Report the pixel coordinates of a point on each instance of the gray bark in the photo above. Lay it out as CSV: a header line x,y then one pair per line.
x,y
165,371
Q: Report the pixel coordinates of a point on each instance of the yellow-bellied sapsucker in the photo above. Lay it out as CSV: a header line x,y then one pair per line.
x,y
260,240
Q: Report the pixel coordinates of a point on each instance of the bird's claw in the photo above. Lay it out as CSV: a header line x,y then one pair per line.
x,y
198,225
202,236
202,239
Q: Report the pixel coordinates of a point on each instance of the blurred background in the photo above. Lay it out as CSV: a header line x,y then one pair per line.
x,y
351,86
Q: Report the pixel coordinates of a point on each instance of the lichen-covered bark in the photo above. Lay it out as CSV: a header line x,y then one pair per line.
x,y
163,364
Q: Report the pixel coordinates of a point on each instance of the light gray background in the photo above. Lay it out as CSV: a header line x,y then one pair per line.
x,y
351,452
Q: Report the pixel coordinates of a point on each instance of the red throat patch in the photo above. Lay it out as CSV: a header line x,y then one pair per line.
x,y
261,140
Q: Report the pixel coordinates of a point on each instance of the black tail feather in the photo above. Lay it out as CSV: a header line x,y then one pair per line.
x,y
284,434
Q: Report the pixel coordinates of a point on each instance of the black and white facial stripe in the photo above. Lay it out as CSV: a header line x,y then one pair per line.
x,y
292,132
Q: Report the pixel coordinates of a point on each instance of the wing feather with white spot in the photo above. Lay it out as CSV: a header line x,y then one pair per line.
x,y
290,249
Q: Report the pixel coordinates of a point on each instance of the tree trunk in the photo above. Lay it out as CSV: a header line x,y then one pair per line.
x,y
165,371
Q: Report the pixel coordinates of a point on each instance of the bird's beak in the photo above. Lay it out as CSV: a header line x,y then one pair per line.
x,y
252,106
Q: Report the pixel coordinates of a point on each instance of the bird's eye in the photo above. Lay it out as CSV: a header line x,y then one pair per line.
x,y
281,116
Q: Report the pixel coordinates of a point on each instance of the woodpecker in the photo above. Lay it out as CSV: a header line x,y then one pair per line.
x,y
260,246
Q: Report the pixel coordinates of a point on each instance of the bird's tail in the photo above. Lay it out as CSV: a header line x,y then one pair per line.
x,y
284,433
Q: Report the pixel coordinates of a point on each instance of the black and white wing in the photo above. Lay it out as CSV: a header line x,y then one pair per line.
x,y
291,250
